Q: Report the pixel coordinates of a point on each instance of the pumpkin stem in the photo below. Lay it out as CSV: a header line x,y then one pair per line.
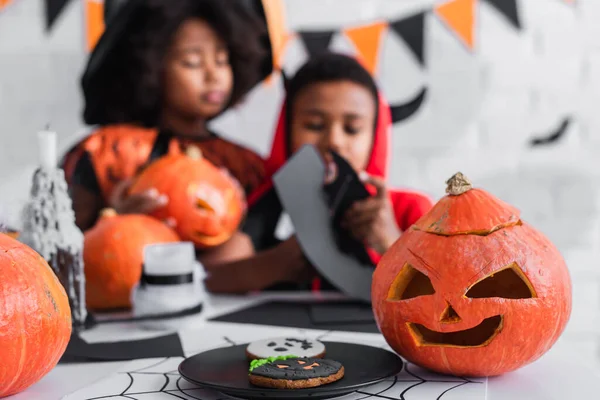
x,y
108,212
193,152
458,184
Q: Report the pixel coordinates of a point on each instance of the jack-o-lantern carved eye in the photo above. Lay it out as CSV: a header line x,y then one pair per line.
x,y
410,283
508,283
203,205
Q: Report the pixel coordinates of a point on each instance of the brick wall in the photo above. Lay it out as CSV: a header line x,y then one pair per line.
x,y
482,110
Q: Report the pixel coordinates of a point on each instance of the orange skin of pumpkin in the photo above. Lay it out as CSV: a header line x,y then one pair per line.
x,y
440,246
186,182
113,256
35,318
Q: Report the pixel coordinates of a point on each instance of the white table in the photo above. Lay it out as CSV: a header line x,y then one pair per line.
x,y
555,376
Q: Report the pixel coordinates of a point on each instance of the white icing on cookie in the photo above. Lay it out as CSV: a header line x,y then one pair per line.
x,y
285,345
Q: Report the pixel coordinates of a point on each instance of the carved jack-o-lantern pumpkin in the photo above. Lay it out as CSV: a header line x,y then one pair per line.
x,y
207,204
470,289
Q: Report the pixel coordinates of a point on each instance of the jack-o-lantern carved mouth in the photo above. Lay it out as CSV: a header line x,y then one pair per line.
x,y
211,237
477,336
200,235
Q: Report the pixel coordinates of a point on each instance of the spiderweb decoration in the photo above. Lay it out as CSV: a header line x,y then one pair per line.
x,y
159,379
414,383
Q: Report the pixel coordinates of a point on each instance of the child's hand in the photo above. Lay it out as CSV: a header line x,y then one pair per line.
x,y
283,263
142,203
372,220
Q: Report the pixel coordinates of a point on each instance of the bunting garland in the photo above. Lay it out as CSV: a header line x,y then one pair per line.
x,y
458,15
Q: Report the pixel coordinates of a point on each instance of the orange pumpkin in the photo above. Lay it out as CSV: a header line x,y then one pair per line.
x,y
471,289
35,318
113,256
206,203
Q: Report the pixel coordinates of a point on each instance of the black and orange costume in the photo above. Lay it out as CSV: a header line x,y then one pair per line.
x,y
265,207
118,152
124,90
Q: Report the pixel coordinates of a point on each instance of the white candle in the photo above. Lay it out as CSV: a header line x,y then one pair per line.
x,y
47,149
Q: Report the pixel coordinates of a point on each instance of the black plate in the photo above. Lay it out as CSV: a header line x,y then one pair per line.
x,y
226,370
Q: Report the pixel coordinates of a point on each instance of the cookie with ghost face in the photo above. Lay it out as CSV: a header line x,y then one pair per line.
x,y
285,346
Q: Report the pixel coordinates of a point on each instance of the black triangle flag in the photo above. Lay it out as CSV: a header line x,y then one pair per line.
x,y
508,8
316,41
111,7
411,30
53,10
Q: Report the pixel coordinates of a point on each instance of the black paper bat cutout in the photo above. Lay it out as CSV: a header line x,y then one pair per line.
x,y
552,136
401,112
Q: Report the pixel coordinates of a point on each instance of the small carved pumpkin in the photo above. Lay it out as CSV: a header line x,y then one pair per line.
x,y
113,256
470,289
35,318
207,204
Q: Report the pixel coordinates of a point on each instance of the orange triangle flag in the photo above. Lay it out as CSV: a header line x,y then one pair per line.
x,y
279,58
94,22
278,33
367,40
459,15
4,3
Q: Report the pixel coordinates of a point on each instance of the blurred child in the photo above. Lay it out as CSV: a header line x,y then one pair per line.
x,y
332,103
162,70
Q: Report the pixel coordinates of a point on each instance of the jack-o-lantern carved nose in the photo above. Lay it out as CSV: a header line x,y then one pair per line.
x,y
449,316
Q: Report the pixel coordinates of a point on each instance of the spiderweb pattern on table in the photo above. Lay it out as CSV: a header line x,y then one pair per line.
x,y
159,379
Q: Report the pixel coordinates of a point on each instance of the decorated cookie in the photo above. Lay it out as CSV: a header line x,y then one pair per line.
x,y
285,345
295,373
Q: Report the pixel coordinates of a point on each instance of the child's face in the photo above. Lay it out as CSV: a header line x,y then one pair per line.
x,y
337,116
198,78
